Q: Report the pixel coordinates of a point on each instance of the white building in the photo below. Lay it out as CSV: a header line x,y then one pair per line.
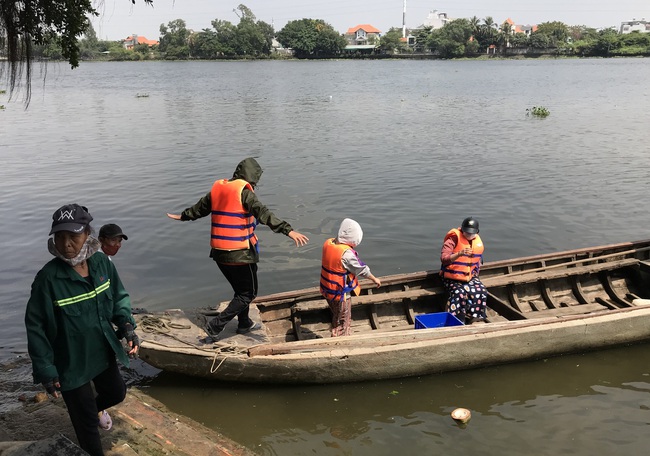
x,y
435,20
642,26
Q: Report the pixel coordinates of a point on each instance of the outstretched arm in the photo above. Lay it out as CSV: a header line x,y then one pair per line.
x,y
298,238
351,262
202,208
268,218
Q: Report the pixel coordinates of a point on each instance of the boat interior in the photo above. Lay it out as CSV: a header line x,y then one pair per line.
x,y
576,282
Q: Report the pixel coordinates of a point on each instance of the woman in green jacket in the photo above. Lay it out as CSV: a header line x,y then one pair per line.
x,y
75,300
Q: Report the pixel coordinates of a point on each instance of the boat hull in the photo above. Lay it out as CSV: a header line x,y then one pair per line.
x,y
542,306
423,352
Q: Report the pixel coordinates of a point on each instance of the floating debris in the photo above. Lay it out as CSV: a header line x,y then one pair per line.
x,y
538,111
461,415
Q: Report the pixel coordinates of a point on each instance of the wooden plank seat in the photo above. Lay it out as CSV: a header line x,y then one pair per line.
x,y
559,273
570,310
321,304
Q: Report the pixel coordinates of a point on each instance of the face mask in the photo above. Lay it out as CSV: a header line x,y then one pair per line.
x,y
87,250
110,250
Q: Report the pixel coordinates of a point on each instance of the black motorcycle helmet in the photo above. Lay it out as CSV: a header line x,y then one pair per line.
x,y
469,226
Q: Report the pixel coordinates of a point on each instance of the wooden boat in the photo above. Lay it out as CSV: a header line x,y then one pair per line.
x,y
538,306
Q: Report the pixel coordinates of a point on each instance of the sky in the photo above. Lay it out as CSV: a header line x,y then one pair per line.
x,y
120,18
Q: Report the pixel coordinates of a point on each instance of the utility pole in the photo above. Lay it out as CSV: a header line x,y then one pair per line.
x,y
404,21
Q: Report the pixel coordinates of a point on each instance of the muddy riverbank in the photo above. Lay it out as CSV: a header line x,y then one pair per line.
x,y
35,424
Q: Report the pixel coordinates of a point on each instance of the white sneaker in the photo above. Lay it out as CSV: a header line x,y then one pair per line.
x,y
105,421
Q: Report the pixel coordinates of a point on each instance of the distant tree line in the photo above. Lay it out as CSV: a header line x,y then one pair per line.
x,y
472,37
250,38
314,38
91,48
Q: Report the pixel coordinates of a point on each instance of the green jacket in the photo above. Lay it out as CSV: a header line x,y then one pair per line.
x,y
69,321
249,170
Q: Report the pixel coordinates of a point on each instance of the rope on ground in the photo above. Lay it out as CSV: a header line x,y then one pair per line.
x,y
164,326
224,349
161,325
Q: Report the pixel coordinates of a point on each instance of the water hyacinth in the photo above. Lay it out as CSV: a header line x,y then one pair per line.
x,y
538,111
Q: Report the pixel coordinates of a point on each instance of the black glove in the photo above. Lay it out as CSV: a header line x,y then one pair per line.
x,y
52,386
132,339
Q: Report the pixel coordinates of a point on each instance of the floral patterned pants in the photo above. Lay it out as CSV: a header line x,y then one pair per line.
x,y
466,299
341,316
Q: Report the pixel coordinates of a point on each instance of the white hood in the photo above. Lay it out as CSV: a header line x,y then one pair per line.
x,y
350,233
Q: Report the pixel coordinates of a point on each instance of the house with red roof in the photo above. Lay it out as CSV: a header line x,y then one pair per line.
x,y
362,34
525,29
131,41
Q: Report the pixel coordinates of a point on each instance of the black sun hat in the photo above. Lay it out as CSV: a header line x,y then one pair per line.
x,y
111,230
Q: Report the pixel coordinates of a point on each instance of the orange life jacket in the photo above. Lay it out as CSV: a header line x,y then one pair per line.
x,y
335,280
232,226
465,267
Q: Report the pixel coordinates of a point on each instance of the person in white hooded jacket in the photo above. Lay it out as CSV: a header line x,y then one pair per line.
x,y
341,266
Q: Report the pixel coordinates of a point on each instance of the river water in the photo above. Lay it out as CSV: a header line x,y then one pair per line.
x,y
408,149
